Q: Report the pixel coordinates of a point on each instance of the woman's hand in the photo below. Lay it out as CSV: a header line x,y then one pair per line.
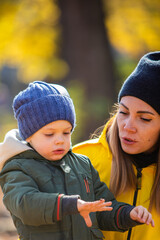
x,y
141,214
85,208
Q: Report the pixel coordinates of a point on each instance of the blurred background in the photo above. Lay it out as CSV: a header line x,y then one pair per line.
x,y
88,46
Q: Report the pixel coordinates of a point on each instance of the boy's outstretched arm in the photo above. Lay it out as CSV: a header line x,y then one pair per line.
x,y
85,208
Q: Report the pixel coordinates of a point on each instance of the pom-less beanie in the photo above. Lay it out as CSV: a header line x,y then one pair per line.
x,y
144,81
40,104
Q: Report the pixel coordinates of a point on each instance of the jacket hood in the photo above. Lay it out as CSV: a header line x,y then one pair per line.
x,y
11,146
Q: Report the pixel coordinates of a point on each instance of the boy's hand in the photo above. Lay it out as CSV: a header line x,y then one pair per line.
x,y
85,208
141,214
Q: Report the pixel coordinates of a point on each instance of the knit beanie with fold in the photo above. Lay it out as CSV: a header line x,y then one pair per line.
x,y
40,104
144,81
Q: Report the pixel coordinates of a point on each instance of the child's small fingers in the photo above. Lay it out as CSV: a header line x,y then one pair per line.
x,y
108,203
108,209
102,202
140,212
150,220
145,216
106,206
100,205
152,223
104,209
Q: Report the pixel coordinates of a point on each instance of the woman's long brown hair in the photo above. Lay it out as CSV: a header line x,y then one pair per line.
x,y
125,178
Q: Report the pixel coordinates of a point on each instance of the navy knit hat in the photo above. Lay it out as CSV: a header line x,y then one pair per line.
x,y
42,103
144,81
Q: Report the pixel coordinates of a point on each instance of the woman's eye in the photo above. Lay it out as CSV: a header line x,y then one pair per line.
x,y
146,119
121,112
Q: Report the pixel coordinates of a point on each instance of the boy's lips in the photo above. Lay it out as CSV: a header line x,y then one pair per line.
x,y
58,151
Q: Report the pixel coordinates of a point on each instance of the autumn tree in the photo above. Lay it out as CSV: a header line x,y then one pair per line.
x,y
90,46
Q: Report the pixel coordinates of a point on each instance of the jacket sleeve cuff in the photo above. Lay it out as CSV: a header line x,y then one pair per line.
x,y
66,205
123,218
59,207
69,204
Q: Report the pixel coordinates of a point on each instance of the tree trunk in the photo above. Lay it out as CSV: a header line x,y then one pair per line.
x,y
86,49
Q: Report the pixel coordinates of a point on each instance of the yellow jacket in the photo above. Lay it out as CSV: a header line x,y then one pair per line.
x,y
98,152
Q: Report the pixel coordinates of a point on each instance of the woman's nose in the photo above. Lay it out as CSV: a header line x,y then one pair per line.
x,y
129,125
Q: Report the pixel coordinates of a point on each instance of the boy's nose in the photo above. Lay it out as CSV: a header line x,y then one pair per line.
x,y
59,139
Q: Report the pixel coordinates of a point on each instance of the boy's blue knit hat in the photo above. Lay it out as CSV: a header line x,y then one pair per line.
x,y
144,81
42,103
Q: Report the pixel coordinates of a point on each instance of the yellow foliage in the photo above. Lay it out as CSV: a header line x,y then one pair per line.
x,y
29,34
133,26
39,69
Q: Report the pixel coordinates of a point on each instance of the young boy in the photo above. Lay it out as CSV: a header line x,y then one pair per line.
x,y
49,190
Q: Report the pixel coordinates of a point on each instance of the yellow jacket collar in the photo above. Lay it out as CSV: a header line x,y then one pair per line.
x,y
102,137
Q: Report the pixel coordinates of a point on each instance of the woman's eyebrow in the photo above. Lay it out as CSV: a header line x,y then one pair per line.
x,y
148,112
124,105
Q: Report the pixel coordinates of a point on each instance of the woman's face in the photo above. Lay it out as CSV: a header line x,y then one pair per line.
x,y
138,125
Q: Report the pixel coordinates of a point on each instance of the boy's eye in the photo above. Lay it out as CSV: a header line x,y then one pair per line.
x,y
49,134
67,133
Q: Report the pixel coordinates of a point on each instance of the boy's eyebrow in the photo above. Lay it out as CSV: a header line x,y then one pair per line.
x,y
55,128
137,111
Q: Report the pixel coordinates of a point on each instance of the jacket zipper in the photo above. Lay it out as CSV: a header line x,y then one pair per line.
x,y
138,187
86,184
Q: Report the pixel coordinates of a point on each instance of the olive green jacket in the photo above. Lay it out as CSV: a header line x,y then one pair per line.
x,y
32,188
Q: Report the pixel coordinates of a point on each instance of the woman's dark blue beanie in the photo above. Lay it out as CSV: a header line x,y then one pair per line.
x,y
40,104
144,81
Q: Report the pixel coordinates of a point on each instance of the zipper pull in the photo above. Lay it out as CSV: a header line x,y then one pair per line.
x,y
139,178
87,184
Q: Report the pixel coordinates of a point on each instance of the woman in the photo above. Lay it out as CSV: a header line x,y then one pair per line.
x,y
127,153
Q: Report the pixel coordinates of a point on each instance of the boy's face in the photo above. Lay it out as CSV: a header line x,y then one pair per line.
x,y
53,140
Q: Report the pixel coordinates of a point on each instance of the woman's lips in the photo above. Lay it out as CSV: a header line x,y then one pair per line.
x,y
128,141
